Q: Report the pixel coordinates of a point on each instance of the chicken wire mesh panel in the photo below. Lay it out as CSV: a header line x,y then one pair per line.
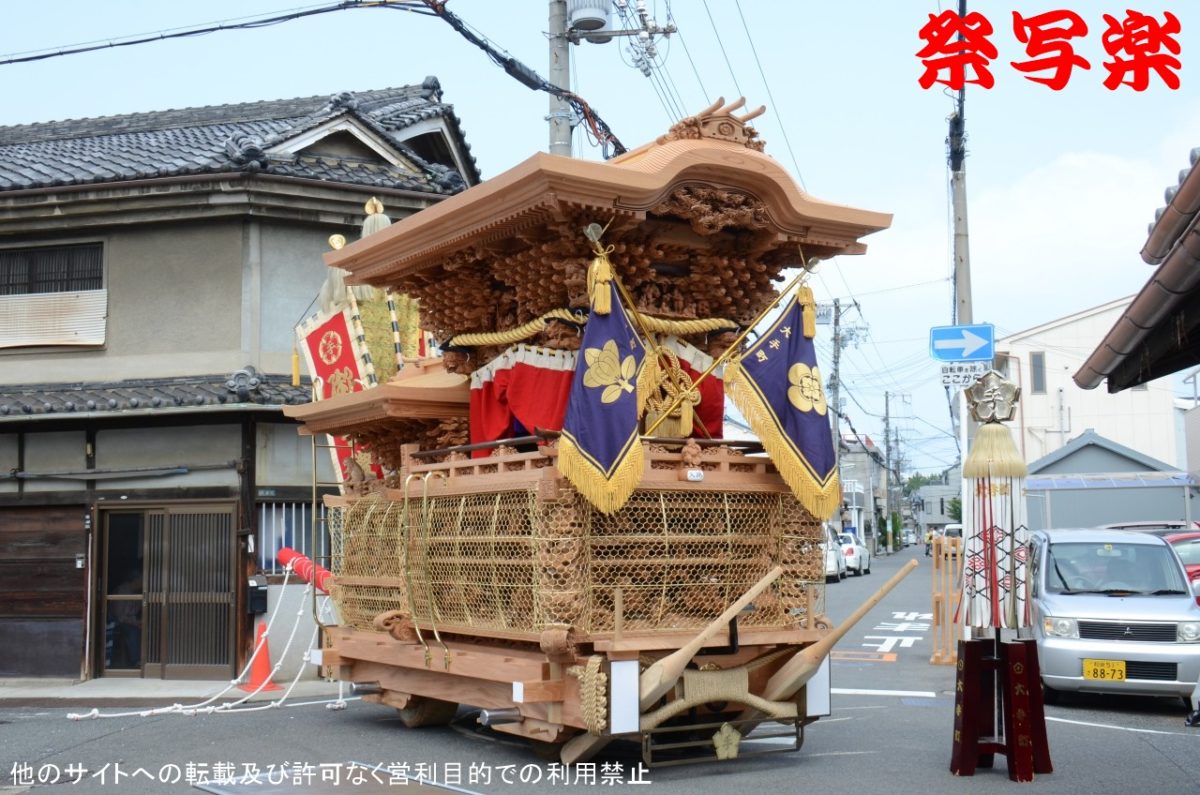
x,y
511,564
368,560
680,558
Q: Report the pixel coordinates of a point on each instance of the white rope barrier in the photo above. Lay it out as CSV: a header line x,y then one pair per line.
x,y
205,707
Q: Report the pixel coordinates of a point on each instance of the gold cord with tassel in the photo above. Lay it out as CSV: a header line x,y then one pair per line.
x,y
600,276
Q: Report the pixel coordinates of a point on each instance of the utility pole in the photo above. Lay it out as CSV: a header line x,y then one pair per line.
x,y
887,472
834,382
957,157
560,75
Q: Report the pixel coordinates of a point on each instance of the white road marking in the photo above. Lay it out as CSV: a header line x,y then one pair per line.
x,y
1121,728
846,691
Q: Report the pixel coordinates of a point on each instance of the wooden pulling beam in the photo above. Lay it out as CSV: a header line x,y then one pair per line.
x,y
663,674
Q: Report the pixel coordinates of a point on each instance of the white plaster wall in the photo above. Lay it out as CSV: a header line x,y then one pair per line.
x,y
166,447
285,457
291,274
1142,420
1191,434
174,292
295,611
46,452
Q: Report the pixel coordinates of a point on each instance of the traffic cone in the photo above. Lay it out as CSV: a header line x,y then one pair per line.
x,y
260,669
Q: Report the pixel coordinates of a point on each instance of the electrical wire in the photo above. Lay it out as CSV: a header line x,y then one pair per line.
x,y
412,6
599,129
688,53
721,44
782,127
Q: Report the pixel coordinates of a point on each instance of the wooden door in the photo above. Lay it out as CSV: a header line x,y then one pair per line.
x,y
43,590
178,620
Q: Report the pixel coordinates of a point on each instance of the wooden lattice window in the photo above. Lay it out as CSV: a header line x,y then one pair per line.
x,y
52,295
51,269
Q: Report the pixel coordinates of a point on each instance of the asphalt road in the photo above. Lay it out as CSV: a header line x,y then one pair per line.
x,y
890,731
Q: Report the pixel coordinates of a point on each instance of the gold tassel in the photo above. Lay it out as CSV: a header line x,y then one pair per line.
x,y
608,495
819,499
994,454
600,276
685,419
805,296
295,366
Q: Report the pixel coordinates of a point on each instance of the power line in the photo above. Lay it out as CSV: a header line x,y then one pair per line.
x,y
721,44
782,127
412,6
688,53
600,130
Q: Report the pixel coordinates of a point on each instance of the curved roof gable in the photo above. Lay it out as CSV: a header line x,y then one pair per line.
x,y
712,159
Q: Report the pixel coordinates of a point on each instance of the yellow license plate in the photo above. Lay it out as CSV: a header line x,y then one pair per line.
x,y
1109,670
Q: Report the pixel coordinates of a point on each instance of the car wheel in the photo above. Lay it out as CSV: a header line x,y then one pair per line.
x,y
1050,695
867,570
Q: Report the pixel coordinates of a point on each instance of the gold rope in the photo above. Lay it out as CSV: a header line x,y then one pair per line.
x,y
655,325
518,334
680,328
671,383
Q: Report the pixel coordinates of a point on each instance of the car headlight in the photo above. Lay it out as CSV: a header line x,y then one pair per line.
x,y
1189,632
1060,627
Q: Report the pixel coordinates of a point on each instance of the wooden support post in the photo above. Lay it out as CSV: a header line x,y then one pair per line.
x,y
998,709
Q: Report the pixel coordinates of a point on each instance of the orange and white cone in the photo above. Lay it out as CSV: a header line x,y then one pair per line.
x,y
260,669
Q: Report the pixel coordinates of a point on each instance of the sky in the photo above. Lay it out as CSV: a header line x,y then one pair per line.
x,y
1061,184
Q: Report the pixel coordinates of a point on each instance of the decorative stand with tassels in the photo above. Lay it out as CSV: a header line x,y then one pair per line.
x,y
998,694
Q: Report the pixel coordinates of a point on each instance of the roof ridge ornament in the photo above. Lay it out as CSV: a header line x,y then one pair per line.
x,y
717,121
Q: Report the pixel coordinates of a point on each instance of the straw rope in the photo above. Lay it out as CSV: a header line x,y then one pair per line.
x,y
654,325
518,334
593,693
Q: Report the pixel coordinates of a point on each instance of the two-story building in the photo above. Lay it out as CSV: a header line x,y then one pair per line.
x,y
1053,409
153,267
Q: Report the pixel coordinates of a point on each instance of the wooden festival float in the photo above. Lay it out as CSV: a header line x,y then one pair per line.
x,y
496,559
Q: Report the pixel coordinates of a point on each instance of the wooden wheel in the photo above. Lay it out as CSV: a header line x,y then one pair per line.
x,y
423,711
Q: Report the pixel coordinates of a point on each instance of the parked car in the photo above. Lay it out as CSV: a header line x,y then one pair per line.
x,y
858,557
910,537
1113,613
1187,547
952,531
1158,527
835,561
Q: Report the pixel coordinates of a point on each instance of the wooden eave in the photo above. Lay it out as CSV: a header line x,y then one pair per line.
x,y
531,193
366,410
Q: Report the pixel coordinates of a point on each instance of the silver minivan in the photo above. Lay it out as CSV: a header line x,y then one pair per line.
x,y
1113,612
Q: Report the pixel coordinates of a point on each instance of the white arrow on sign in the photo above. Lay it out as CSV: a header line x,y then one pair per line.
x,y
968,343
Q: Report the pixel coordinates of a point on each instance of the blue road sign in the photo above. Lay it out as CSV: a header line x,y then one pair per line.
x,y
975,343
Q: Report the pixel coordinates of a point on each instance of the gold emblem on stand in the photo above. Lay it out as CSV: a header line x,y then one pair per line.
x,y
726,742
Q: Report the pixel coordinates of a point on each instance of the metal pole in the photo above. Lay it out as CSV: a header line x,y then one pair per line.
x,y
887,474
560,76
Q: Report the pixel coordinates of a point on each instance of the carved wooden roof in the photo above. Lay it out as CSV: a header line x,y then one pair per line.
x,y
702,222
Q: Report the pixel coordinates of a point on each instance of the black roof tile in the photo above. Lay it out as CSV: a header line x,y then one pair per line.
x,y
26,400
224,138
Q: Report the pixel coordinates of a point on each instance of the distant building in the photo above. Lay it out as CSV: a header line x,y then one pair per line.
x,y
1053,409
1095,481
863,485
933,503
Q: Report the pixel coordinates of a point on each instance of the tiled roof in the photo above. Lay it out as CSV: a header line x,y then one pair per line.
x,y
225,138
243,387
